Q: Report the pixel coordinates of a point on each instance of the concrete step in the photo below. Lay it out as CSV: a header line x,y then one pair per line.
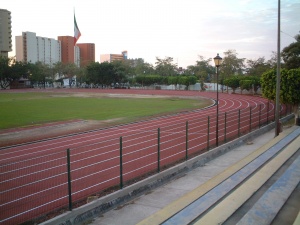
x,y
268,206
236,199
226,192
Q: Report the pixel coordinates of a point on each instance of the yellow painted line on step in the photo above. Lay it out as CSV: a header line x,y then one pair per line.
x,y
231,203
297,220
179,204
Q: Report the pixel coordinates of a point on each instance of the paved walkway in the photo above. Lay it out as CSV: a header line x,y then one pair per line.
x,y
144,206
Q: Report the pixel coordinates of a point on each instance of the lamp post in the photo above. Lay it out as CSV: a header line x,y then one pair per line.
x,y
217,61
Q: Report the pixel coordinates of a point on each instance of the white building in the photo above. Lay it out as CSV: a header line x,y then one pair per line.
x,y
32,48
5,32
77,56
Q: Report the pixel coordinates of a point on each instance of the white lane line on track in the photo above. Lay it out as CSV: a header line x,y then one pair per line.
x,y
114,132
33,209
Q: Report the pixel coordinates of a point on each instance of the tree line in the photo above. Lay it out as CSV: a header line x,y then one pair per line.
x,y
132,71
234,71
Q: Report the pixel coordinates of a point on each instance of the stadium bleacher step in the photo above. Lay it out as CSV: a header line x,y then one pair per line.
x,y
267,207
189,208
246,190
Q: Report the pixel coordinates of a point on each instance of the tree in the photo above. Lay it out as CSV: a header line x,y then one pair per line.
x,y
58,69
289,86
232,82
231,65
69,71
122,70
253,81
81,75
11,70
291,54
272,62
165,67
256,83
203,70
173,80
101,73
245,85
39,73
257,67
147,80
93,74
187,80
140,67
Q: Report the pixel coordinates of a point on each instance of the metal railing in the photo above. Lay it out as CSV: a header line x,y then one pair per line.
x,y
53,180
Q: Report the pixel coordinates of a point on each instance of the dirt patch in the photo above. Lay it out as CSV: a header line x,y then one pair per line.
x,y
112,95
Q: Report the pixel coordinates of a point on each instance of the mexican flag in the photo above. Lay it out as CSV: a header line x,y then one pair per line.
x,y
77,33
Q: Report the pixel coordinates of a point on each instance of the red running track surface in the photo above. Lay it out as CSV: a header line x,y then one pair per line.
x,y
34,175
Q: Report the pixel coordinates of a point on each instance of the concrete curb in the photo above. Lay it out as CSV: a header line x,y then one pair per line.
x,y
106,203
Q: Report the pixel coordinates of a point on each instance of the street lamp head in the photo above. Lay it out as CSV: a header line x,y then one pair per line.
x,y
218,60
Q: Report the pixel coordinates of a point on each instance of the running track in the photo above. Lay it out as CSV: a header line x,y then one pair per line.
x,y
34,175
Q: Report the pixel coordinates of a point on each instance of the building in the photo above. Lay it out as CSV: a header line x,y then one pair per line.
x,y
87,53
32,48
69,52
5,32
113,57
67,49
77,56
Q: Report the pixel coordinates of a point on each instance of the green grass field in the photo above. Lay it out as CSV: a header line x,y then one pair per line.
x,y
25,109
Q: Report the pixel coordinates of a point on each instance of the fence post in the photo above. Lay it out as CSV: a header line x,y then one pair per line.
x,y
250,118
268,113
121,163
69,179
186,140
275,112
207,133
239,123
285,113
259,116
158,150
225,127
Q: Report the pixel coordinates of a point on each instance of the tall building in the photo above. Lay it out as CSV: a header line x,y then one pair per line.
x,y
5,32
32,48
77,56
87,53
113,57
69,52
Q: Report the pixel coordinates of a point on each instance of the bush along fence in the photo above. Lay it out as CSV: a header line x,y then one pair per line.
x,y
65,179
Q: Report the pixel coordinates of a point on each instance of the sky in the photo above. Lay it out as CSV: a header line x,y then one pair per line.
x,y
181,29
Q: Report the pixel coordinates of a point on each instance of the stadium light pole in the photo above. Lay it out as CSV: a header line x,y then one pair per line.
x,y
217,61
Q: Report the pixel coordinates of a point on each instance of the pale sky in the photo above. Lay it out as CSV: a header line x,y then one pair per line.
x,y
182,29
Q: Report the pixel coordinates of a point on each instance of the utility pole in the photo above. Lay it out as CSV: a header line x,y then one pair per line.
x,y
277,109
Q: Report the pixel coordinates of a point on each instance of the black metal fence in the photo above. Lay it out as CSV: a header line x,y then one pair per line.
x,y
56,179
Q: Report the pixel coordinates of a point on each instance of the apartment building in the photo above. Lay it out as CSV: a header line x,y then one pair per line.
x,y
5,32
113,57
67,48
69,52
87,53
32,48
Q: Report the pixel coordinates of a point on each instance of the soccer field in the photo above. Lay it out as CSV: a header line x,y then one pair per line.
x,y
29,108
